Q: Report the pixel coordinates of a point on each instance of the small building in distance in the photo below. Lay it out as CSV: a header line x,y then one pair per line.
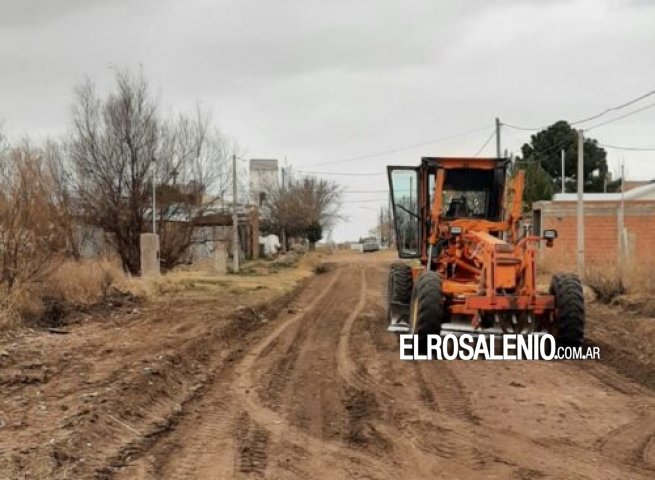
x,y
603,217
264,176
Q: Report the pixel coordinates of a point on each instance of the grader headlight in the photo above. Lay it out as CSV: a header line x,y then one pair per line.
x,y
549,236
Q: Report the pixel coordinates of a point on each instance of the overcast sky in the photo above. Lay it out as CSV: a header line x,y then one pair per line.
x,y
318,81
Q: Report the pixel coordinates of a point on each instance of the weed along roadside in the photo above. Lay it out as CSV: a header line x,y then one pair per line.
x,y
117,373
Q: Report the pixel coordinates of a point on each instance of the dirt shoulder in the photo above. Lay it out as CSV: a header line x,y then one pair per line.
x,y
74,403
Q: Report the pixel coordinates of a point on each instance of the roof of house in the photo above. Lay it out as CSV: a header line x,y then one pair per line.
x,y
631,184
643,192
263,164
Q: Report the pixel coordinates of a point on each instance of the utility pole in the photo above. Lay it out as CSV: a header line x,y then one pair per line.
x,y
235,218
621,219
563,171
154,201
580,181
381,224
285,172
498,124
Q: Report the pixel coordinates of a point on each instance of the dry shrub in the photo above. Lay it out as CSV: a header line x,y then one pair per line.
x,y
83,283
640,276
606,282
16,306
71,286
636,278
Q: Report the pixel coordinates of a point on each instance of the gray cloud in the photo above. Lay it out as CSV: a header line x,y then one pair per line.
x,y
317,81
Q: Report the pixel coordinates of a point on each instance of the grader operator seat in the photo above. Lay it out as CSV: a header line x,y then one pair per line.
x,y
458,208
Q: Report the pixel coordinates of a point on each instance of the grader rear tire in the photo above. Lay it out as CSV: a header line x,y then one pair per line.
x,y
399,288
400,282
569,309
426,308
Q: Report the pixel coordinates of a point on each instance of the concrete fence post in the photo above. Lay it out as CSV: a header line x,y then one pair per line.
x,y
150,255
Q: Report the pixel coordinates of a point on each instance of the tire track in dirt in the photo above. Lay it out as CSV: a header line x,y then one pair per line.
x,y
252,437
325,455
417,427
252,447
634,442
201,448
287,354
442,385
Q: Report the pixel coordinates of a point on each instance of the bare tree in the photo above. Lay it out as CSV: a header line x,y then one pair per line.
x,y
304,207
113,148
193,176
120,145
61,192
30,215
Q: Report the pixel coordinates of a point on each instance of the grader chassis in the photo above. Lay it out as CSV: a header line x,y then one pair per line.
x,y
461,219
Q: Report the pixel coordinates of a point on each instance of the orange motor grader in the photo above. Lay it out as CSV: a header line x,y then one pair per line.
x,y
461,218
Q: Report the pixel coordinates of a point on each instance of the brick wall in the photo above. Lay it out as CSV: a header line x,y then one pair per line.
x,y
601,230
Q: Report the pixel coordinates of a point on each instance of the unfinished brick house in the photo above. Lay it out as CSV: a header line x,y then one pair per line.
x,y
603,217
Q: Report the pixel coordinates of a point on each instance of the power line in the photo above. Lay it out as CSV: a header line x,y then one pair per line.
x,y
366,191
634,149
527,129
544,152
593,117
403,148
367,200
484,145
621,117
348,174
613,109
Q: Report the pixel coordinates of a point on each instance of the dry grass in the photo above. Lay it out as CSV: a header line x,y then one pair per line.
x,y
80,285
254,275
609,280
73,285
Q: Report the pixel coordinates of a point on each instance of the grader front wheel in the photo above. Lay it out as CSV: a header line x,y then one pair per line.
x,y
399,290
569,309
426,308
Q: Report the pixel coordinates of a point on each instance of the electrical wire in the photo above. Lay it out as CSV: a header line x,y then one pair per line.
x,y
593,117
366,191
634,149
403,148
348,174
621,117
613,109
484,145
527,129
367,200
543,152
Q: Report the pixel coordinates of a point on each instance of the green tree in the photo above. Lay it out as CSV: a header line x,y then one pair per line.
x,y
545,148
538,183
314,233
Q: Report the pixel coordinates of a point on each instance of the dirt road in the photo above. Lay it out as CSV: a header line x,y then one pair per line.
x,y
319,393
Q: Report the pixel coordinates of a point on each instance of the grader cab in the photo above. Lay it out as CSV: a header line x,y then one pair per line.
x,y
461,219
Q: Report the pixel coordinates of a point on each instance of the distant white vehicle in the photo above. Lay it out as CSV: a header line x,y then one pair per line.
x,y
370,245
